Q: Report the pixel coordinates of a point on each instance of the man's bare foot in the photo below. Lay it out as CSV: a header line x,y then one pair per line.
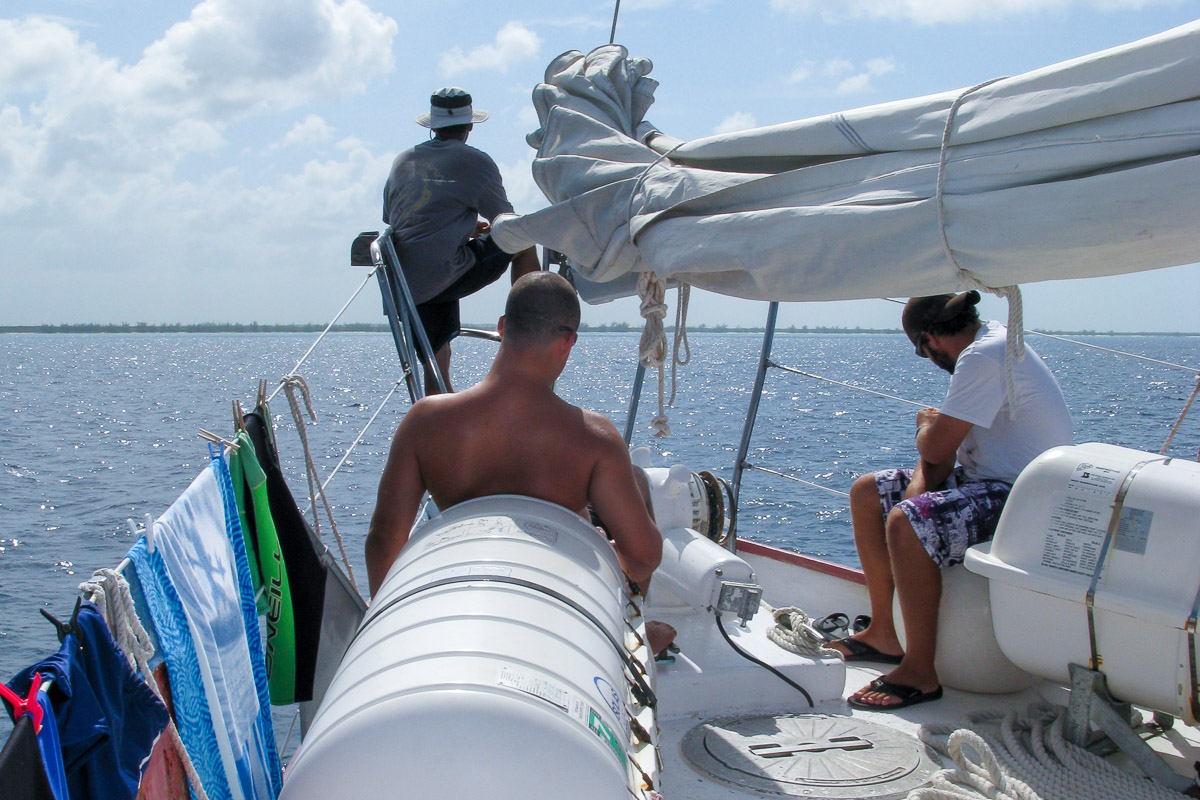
x,y
659,636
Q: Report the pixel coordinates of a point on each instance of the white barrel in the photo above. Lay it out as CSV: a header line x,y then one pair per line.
x,y
485,668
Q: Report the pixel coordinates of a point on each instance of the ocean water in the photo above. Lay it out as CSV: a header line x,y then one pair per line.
x,y
98,429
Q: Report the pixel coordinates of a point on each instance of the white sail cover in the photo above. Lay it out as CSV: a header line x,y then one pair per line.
x,y
1086,168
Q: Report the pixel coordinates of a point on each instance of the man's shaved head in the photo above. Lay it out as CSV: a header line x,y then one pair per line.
x,y
541,307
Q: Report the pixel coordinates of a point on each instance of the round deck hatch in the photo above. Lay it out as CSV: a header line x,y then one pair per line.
x,y
808,755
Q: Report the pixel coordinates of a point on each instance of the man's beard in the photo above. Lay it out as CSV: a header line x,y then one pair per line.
x,y
943,360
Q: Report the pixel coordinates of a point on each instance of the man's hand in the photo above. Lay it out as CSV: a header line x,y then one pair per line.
x,y
938,438
482,228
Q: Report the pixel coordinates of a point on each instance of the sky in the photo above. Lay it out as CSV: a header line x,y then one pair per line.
x,y
168,162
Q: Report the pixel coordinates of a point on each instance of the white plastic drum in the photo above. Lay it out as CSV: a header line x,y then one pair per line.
x,y
485,668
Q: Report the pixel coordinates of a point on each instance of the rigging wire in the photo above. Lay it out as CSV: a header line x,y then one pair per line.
x,y
612,37
831,490
296,369
795,371
1117,352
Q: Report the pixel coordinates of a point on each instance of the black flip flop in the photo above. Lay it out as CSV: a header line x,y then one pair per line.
x,y
861,651
831,624
907,695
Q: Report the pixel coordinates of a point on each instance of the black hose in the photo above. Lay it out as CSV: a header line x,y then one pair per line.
x,y
763,664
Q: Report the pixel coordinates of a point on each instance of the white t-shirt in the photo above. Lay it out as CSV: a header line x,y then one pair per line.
x,y
998,447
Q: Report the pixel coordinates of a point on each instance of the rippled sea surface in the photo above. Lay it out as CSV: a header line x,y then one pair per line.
x,y
98,429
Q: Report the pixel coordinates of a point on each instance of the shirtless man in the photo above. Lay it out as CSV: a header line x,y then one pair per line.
x,y
511,434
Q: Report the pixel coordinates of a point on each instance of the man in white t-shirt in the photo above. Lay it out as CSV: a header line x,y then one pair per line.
x,y
908,524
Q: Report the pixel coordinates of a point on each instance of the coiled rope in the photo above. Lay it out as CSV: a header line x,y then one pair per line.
x,y
109,590
290,384
1029,758
793,631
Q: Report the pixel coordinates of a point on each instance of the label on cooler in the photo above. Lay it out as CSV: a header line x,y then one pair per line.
x,y
1075,532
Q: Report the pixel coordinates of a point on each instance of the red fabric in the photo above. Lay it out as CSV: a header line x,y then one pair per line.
x,y
164,777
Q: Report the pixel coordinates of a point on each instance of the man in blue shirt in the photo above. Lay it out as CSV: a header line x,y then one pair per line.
x,y
434,198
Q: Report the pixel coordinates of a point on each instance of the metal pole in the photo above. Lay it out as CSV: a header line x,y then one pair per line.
x,y
424,350
613,36
755,397
389,311
639,377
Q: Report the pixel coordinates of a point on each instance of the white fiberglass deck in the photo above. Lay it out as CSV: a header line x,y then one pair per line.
x,y
708,680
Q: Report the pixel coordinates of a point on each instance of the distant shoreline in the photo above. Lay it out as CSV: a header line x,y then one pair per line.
x,y
371,327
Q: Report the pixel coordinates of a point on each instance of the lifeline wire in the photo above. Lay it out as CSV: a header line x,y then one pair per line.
x,y
795,371
333,321
838,492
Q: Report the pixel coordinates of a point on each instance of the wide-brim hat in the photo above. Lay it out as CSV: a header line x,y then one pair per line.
x,y
450,106
922,313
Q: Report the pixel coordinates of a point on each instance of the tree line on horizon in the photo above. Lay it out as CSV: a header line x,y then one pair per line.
x,y
374,327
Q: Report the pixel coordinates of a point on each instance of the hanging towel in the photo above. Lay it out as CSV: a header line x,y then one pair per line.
x,y
267,570
305,570
197,587
107,717
22,774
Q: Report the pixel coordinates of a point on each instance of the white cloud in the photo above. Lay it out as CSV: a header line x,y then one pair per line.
x,y
514,43
738,121
928,12
83,136
799,74
853,79
312,130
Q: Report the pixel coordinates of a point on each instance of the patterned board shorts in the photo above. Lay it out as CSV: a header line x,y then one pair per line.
x,y
950,520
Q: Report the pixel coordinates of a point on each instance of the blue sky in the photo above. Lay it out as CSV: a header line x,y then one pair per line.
x,y
165,162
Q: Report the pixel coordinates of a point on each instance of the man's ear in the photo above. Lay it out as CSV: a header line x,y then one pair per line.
x,y
500,326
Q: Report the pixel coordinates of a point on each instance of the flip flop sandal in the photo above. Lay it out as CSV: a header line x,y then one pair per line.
x,y
831,624
907,695
860,623
861,651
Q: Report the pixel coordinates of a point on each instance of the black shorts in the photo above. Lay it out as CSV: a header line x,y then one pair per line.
x,y
439,314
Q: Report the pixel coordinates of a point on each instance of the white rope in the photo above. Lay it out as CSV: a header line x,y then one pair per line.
x,y
1015,342
109,590
793,631
1186,407
336,317
652,351
290,384
681,340
1028,758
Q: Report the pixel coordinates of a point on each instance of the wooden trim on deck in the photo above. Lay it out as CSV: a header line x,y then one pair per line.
x,y
807,562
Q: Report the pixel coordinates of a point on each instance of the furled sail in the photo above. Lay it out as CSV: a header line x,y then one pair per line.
x,y
1085,168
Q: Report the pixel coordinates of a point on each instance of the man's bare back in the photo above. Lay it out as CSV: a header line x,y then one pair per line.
x,y
510,434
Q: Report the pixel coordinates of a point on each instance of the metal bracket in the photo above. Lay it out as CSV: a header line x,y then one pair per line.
x,y
1092,704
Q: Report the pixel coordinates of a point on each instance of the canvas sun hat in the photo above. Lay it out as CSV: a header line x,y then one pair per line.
x,y
450,106
921,313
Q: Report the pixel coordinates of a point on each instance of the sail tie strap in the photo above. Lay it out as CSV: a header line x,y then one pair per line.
x,y
1014,349
109,591
291,383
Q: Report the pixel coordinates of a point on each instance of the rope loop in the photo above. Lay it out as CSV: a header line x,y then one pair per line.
x,y
652,351
290,384
794,632
1015,343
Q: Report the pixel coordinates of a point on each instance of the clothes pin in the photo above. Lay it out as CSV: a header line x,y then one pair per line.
x,y
29,705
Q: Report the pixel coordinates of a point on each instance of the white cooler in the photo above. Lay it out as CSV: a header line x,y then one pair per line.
x,y
1123,525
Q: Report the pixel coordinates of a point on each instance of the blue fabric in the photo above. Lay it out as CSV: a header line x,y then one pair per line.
x,y
258,663
108,718
197,588
52,756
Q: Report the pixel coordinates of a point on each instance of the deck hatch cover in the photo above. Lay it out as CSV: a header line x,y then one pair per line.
x,y
808,755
